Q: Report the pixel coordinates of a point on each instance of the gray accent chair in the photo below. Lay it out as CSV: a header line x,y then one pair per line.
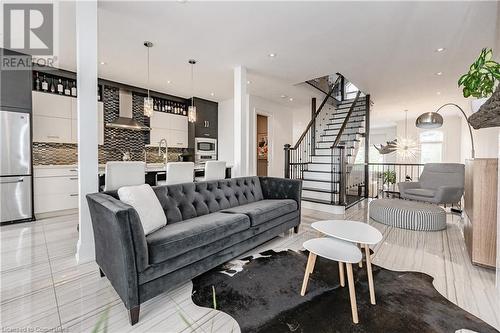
x,y
440,183
208,224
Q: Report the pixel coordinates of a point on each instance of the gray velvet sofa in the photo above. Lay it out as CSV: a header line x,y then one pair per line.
x,y
208,223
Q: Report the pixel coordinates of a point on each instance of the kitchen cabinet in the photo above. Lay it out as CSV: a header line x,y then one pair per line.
x,y
55,118
206,118
15,85
55,189
51,129
171,127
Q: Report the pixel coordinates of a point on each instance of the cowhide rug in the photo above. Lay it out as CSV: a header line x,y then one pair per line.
x,y
262,294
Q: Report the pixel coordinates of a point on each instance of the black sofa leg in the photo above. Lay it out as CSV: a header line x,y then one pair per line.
x,y
101,273
296,229
133,315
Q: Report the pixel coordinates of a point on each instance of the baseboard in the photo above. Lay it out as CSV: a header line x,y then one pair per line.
x,y
323,207
41,216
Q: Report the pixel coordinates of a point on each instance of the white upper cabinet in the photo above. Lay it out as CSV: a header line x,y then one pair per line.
x,y
55,118
173,128
51,105
51,129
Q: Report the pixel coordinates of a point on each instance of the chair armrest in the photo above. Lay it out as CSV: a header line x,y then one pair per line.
x,y
120,244
403,186
281,188
449,194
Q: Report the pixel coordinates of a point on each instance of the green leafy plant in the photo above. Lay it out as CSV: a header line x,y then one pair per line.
x,y
483,73
389,177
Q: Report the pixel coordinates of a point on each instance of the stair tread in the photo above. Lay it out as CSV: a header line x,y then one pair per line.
x,y
321,181
326,202
319,190
322,171
331,148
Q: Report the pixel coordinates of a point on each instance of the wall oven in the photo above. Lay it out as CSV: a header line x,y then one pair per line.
x,y
205,149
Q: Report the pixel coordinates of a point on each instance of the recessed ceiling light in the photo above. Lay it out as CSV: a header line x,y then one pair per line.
x,y
283,96
248,82
438,93
212,94
103,63
440,49
439,73
168,81
272,55
291,99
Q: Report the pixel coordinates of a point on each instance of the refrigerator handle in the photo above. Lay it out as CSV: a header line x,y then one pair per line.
x,y
20,180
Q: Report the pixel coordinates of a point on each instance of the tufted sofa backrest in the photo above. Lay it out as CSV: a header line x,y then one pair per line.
x,y
188,200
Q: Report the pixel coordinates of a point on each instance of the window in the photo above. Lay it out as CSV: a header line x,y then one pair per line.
x,y
431,147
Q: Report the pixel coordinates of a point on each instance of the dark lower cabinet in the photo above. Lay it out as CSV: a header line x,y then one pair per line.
x,y
15,80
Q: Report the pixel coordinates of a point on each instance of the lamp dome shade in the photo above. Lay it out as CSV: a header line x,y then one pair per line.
x,y
429,120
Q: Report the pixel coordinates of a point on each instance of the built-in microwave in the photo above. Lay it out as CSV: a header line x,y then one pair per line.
x,y
205,150
205,146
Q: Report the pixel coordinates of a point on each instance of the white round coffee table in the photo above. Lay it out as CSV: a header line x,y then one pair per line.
x,y
337,250
356,232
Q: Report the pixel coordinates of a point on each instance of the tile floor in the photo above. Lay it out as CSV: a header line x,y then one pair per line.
x,y
42,287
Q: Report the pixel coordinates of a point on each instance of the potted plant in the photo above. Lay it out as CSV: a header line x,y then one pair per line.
x,y
388,179
480,82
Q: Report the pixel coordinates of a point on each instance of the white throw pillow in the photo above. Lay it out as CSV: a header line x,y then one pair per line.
x,y
147,205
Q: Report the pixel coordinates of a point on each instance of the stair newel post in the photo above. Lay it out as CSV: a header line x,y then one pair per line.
x,y
287,161
343,176
367,143
313,127
342,88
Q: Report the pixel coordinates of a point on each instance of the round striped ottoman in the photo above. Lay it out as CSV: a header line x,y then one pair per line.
x,y
408,214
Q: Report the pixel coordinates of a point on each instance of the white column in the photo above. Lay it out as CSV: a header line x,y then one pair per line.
x,y
241,123
86,57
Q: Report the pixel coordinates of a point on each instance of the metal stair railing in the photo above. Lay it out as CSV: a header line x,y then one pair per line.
x,y
298,156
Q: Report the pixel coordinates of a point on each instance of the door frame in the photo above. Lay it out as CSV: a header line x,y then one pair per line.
x,y
270,141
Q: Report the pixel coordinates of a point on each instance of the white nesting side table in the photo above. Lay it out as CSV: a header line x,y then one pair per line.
x,y
337,250
356,232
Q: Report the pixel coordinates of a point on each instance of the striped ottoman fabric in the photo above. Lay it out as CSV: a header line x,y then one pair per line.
x,y
407,214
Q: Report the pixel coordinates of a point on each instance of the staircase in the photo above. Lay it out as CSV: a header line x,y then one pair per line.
x,y
324,158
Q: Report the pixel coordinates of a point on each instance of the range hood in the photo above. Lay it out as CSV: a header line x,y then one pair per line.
x,y
125,119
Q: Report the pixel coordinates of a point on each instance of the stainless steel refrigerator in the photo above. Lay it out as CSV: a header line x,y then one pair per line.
x,y
16,203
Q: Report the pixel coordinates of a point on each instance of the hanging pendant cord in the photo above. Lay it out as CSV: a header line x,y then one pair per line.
x,y
148,71
192,84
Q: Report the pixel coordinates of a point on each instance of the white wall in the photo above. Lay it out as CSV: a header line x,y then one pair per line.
x,y
451,137
380,136
301,118
281,127
226,131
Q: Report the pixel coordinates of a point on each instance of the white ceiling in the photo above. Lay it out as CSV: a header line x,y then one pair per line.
x,y
385,48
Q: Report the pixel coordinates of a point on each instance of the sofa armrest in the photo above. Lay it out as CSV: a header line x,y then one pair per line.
x,y
403,186
448,194
120,244
281,188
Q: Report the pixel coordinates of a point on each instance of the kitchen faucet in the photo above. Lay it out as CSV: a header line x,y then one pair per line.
x,y
160,153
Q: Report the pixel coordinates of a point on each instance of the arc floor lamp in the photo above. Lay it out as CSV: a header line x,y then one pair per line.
x,y
431,120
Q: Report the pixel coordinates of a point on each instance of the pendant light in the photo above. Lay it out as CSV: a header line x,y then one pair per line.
x,y
148,101
192,108
407,148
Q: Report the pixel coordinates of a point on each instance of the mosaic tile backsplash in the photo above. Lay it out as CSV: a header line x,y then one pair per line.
x,y
67,154
116,141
